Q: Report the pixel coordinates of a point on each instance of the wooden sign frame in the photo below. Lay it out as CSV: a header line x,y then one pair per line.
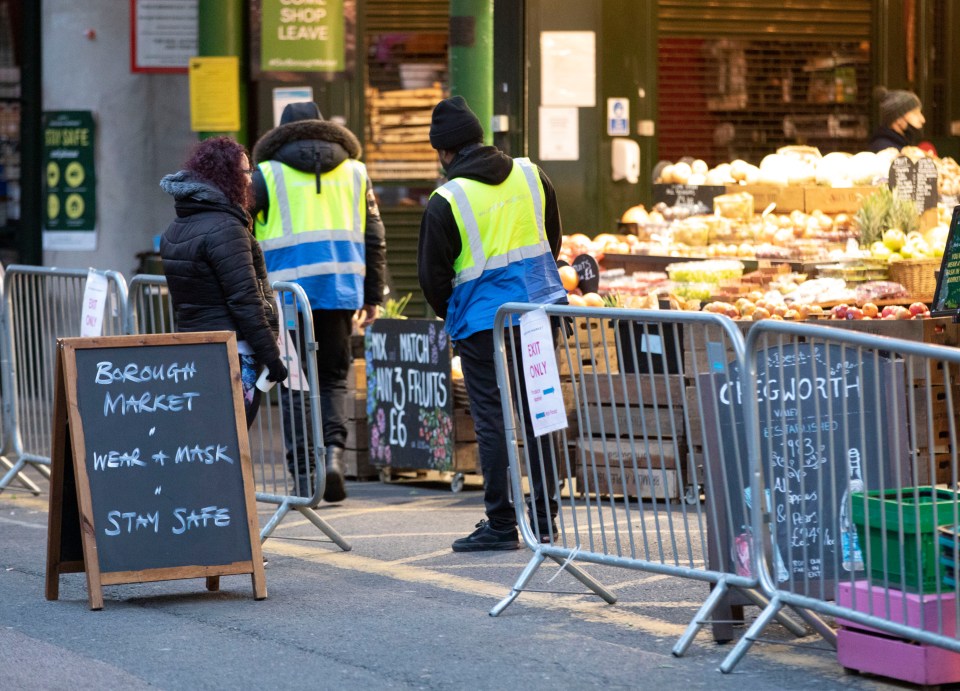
x,y
72,531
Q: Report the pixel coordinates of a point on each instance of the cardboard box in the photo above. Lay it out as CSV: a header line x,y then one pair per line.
x,y
832,200
786,197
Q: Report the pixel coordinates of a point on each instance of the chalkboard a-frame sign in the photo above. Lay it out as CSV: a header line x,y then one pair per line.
x,y
151,477
946,297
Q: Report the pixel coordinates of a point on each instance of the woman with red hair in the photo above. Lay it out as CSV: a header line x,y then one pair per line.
x,y
214,266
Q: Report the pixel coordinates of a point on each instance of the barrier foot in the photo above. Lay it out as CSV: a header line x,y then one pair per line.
x,y
702,616
325,528
15,471
819,625
524,578
589,581
786,621
743,645
274,521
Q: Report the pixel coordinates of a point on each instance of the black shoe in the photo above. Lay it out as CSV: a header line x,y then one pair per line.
x,y
486,538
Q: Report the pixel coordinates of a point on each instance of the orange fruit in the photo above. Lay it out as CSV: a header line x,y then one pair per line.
x,y
569,278
592,300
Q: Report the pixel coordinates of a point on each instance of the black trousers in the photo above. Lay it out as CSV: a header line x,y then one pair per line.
x,y
480,376
332,330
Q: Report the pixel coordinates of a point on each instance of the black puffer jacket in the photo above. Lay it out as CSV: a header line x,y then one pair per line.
x,y
215,269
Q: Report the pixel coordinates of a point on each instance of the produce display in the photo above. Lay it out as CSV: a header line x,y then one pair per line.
x,y
834,218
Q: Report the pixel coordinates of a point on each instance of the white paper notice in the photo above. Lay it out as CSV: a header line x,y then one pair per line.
x,y
568,68
559,134
291,360
94,304
540,374
284,96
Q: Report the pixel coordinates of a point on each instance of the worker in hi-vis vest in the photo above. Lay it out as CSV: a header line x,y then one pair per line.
x,y
316,218
490,235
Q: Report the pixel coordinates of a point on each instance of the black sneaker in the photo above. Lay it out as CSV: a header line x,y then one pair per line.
x,y
545,534
486,538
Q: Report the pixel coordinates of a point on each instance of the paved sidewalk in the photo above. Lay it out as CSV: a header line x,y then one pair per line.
x,y
400,610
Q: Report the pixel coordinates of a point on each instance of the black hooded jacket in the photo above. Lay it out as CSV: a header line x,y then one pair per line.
x,y
215,269
439,244
884,138
319,146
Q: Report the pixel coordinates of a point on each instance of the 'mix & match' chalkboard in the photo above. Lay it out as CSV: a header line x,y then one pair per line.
x,y
150,455
409,394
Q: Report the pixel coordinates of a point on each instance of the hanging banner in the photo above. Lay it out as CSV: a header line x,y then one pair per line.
x,y
69,182
306,36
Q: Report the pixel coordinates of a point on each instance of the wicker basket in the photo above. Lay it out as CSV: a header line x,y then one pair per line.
x,y
916,275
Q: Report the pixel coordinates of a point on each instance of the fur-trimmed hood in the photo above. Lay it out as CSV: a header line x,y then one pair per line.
x,y
304,143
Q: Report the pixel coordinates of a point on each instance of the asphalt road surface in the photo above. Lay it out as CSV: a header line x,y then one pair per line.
x,y
398,611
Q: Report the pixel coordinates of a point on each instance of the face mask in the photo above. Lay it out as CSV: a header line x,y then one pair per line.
x,y
911,134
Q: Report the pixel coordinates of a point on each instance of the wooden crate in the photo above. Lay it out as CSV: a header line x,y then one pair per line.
x,y
357,376
357,466
661,481
466,457
612,420
463,429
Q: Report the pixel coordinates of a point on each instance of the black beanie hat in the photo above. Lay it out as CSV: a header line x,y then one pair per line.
x,y
895,104
454,124
304,110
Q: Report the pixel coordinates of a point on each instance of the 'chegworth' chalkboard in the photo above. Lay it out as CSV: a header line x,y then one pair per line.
x,y
818,405
153,427
409,394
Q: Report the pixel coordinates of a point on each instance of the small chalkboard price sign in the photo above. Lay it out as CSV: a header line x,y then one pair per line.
x,y
151,477
588,273
946,297
914,181
409,394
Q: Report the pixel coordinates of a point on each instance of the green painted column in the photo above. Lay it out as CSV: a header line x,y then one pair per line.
x,y
471,57
220,33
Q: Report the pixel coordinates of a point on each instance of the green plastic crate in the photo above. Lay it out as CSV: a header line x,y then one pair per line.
x,y
919,527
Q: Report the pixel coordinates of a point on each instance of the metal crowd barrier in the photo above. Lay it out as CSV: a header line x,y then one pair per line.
x,y
639,451
41,305
151,311
853,441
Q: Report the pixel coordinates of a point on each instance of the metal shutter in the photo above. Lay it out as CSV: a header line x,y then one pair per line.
x,y
741,78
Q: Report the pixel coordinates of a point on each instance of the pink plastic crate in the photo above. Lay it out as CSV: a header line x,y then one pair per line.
x,y
868,650
921,610
898,659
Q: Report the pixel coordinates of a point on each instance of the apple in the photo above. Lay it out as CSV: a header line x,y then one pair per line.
x,y
870,310
918,308
879,251
761,313
894,238
888,312
839,312
904,313
854,313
